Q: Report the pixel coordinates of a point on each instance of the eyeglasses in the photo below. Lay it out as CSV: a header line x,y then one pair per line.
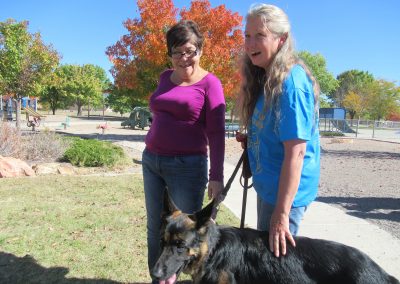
x,y
187,54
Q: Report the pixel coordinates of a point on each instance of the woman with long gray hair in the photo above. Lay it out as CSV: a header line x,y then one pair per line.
x,y
278,108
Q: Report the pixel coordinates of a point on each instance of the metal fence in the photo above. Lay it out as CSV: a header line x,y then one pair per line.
x,y
386,130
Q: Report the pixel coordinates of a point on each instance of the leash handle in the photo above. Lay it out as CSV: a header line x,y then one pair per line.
x,y
246,171
246,174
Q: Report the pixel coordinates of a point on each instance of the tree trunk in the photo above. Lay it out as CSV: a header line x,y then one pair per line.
x,y
352,114
53,106
79,110
88,108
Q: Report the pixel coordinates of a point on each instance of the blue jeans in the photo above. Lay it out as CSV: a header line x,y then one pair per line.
x,y
264,213
185,177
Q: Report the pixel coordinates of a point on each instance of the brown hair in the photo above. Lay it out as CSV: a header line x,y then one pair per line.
x,y
183,32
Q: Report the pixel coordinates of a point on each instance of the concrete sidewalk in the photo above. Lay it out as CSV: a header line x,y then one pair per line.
x,y
323,221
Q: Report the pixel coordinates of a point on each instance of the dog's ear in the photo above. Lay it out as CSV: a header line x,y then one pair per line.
x,y
169,205
203,216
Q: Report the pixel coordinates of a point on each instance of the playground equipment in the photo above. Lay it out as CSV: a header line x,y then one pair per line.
x,y
342,125
140,117
334,119
29,102
65,124
35,120
10,105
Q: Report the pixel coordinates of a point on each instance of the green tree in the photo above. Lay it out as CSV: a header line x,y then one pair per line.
x,y
352,81
54,93
123,100
383,98
324,101
25,61
327,82
85,85
96,85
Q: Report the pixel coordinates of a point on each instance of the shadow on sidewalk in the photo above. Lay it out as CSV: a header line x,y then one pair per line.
x,y
360,154
379,208
99,118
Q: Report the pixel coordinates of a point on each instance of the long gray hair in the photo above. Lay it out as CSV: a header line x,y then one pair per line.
x,y
255,79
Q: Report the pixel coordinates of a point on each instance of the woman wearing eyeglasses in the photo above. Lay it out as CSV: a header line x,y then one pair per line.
x,y
188,110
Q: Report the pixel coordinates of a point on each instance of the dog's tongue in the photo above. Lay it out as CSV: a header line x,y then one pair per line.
x,y
170,280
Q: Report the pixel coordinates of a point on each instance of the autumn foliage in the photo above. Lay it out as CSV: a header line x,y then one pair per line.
x,y
141,55
354,103
394,116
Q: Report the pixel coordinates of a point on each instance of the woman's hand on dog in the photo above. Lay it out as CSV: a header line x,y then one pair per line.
x,y
278,233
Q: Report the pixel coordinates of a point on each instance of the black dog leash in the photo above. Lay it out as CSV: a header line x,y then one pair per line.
x,y
246,174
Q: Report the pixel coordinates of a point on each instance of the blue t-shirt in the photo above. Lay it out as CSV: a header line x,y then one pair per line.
x,y
267,131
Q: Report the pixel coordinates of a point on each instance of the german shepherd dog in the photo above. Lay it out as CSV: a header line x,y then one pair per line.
x,y
195,245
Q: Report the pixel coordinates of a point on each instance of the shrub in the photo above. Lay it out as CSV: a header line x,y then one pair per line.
x,y
31,146
93,153
43,146
10,140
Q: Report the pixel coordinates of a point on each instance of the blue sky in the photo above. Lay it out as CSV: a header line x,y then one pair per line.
x,y
350,34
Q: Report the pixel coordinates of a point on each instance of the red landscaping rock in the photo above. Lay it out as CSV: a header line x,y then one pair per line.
x,y
12,167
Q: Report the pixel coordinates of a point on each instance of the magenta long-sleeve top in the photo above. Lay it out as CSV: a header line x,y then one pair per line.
x,y
188,118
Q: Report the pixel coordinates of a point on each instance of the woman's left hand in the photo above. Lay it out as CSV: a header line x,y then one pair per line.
x,y
215,189
279,232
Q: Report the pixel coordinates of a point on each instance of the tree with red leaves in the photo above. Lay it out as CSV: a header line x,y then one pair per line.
x,y
141,55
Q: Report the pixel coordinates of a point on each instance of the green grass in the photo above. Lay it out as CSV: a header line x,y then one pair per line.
x,y
80,229
330,133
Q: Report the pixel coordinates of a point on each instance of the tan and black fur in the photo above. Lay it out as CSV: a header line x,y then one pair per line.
x,y
213,254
